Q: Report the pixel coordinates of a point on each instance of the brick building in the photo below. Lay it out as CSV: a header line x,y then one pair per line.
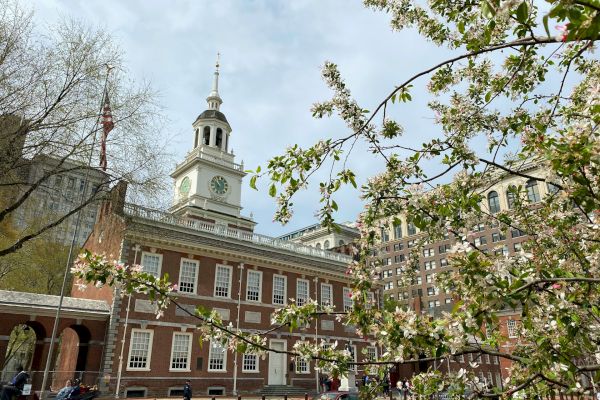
x,y
209,249
423,295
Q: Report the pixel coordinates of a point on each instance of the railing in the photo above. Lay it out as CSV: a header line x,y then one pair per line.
x,y
199,153
224,231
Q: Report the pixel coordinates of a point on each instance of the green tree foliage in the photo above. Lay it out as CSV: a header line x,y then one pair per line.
x,y
51,92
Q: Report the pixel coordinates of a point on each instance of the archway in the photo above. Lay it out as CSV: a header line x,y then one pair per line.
x,y
71,360
19,352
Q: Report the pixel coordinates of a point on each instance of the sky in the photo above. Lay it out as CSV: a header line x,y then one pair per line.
x,y
271,57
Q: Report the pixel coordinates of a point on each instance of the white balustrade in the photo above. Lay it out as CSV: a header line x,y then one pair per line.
x,y
220,230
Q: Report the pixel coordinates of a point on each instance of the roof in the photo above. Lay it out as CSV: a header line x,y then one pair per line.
x,y
213,114
44,303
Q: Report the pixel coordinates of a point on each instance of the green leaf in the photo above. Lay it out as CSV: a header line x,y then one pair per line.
x,y
545,20
253,182
522,12
272,190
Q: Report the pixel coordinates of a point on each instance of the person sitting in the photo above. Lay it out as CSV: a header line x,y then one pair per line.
x,y
76,389
15,387
65,392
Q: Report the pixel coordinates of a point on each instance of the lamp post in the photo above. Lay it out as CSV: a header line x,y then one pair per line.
x,y
72,247
316,280
136,248
237,327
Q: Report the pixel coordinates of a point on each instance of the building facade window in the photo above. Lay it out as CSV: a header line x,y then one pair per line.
x,y
533,191
326,294
443,262
493,202
398,258
479,241
388,285
279,290
217,357
188,276
223,281
301,291
253,286
326,245
302,365
429,265
511,196
388,273
497,237
398,231
398,246
428,252
511,326
444,248
348,303
250,363
181,352
151,263
140,349
385,235
412,230
206,136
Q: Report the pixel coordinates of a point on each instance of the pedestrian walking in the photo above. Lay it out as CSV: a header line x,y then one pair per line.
x,y
187,390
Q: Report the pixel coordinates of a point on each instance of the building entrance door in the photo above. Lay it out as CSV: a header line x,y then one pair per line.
x,y
277,363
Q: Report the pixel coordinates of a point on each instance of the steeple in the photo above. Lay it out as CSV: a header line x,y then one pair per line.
x,y
214,100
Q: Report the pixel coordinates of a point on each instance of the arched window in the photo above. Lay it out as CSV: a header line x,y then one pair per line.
x,y
341,243
533,192
318,246
196,138
326,245
398,231
493,202
206,136
412,230
552,188
219,140
511,197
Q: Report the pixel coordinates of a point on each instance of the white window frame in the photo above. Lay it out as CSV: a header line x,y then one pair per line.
x,y
326,301
371,355
188,356
212,345
348,301
259,294
149,353
354,357
307,294
284,300
195,282
217,267
160,260
299,361
256,370
511,328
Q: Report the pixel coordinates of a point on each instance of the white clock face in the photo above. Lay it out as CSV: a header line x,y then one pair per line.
x,y
219,185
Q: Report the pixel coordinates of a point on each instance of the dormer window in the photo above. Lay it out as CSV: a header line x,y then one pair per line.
x,y
219,140
206,136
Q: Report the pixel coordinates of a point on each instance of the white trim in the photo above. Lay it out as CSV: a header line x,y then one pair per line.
x,y
189,352
160,261
148,356
347,301
284,290
260,285
228,284
197,263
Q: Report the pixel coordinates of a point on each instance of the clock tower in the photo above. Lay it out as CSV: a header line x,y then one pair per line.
x,y
208,182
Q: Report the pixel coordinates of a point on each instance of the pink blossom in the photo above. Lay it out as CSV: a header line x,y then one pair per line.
x,y
564,32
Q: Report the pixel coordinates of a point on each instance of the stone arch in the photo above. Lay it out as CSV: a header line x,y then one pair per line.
x,y
71,360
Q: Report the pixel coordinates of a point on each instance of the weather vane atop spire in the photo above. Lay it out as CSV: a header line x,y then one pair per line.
x,y
213,99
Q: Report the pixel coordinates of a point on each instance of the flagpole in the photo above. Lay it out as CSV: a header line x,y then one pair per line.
x,y
72,247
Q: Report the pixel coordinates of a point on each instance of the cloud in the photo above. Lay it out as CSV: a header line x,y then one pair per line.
x,y
271,57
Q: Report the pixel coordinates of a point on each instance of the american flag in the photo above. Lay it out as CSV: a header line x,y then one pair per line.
x,y
107,126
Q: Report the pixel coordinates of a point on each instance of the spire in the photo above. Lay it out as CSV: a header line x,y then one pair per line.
x,y
214,100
